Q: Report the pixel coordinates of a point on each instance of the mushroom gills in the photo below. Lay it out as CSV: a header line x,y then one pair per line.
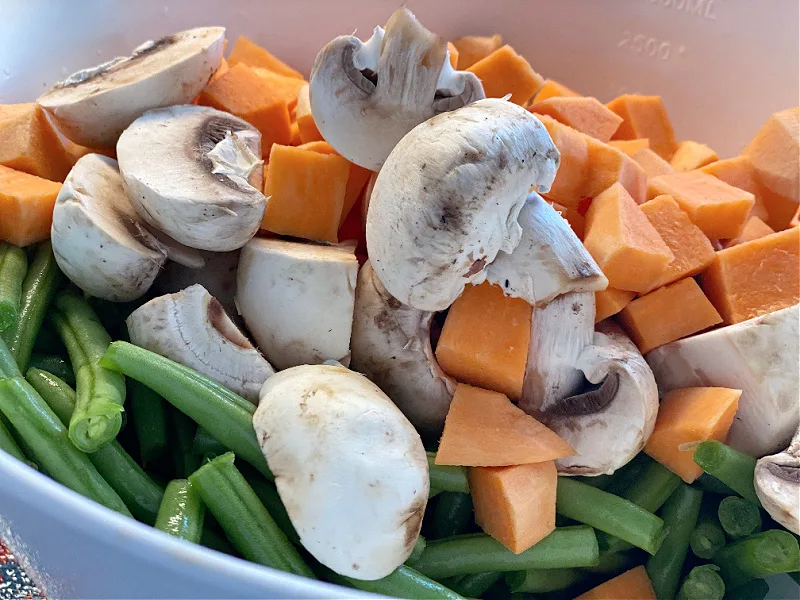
x,y
777,482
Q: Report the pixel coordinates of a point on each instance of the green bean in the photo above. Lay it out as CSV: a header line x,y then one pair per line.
x,y
8,365
476,585
758,556
607,512
755,589
181,512
268,494
244,519
417,550
702,583
138,491
628,474
149,413
38,290
599,481
183,429
35,422
739,518
452,514
52,363
680,516
614,562
539,581
225,415
13,266
8,445
210,538
97,418
205,443
446,478
706,538
733,468
476,553
403,582
712,485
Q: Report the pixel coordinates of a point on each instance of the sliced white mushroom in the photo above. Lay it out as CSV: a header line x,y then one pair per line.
x,y
610,423
365,96
192,328
93,106
297,300
391,344
97,239
759,357
196,174
777,481
349,467
560,332
548,261
448,197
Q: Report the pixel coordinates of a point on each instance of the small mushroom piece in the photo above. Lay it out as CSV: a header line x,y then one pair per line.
x,y
196,174
391,344
350,469
92,107
777,481
97,239
548,261
610,423
448,198
297,300
365,96
192,328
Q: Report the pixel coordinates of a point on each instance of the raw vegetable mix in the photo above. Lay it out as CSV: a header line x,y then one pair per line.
x,y
491,337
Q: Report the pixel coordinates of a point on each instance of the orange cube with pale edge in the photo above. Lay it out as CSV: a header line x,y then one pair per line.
x,y
282,87
686,416
485,339
630,147
515,505
631,585
753,229
251,54
652,163
739,173
506,72
610,301
692,155
756,277
485,429
26,207
472,48
305,120
553,89
645,117
670,313
567,189
29,143
587,115
608,166
774,154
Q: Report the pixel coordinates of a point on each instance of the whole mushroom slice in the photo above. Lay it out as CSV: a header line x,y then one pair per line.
x,y
192,328
92,107
448,197
777,481
548,261
610,423
350,469
297,300
759,357
196,174
365,96
391,344
97,239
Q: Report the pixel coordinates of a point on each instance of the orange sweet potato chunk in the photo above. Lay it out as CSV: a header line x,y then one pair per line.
x,y
29,143
251,54
739,173
587,115
670,313
717,208
610,301
690,155
630,147
645,117
506,72
485,339
774,154
553,89
686,416
796,218
485,429
753,229
305,120
625,245
607,166
631,585
283,88
26,207
472,48
692,250
756,277
223,68
515,505
652,163
306,191
576,220
567,189
779,208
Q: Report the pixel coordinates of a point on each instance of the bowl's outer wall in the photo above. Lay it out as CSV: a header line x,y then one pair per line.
x,y
722,66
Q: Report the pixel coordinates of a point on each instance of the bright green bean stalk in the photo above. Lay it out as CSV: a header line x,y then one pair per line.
x,y
758,556
702,583
451,514
540,581
13,266
706,538
475,586
446,478
268,494
8,366
739,518
149,413
57,365
403,582
7,444
614,562
733,468
182,512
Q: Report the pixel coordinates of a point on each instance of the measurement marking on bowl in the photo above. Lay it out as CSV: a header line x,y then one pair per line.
x,y
703,9
648,45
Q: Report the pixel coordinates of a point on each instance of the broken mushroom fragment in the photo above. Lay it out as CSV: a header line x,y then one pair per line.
x,y
297,300
350,469
365,96
92,107
192,328
448,197
777,481
196,174
391,344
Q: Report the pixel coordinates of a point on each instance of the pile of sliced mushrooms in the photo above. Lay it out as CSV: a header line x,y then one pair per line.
x,y
341,364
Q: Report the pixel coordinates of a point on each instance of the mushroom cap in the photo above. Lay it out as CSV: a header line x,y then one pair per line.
x,y
391,344
350,469
192,328
448,197
365,96
195,173
777,482
93,106
97,239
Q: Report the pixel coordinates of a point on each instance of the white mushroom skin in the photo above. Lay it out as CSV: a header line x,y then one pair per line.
x,y
448,197
365,96
192,328
349,467
97,239
93,106
391,344
777,482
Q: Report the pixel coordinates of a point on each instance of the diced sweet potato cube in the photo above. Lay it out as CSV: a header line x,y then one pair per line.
x,y
29,143
630,147
223,68
631,585
756,277
472,48
645,117
652,163
774,154
305,120
753,229
26,207
691,155
796,218
607,166
553,89
506,72
625,245
575,219
567,189
251,54
587,115
739,173
779,208
717,208
610,301
282,87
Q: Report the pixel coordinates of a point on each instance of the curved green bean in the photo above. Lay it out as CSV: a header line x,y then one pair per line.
x,y
13,266
182,512
8,365
57,365
758,556
446,478
403,582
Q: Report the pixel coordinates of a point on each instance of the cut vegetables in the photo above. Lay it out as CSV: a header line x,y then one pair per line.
x,y
506,72
30,144
773,153
630,585
251,54
610,301
472,48
587,115
645,117
26,203
690,155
